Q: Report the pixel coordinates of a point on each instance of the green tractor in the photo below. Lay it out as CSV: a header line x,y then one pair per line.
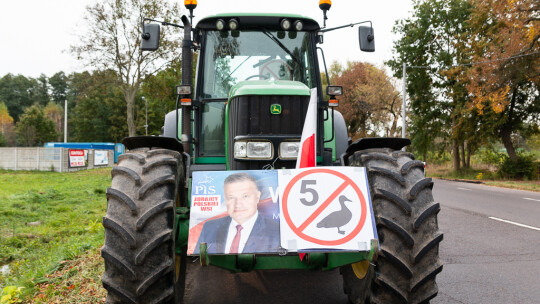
x,y
246,112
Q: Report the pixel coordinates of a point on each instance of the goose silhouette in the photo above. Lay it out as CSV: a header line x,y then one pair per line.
x,y
337,218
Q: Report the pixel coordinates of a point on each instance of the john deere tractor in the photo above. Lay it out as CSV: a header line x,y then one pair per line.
x,y
246,111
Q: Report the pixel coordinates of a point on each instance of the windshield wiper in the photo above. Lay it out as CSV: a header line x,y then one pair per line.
x,y
283,47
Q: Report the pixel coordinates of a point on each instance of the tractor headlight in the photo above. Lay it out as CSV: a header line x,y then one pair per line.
x,y
240,149
289,150
253,149
259,149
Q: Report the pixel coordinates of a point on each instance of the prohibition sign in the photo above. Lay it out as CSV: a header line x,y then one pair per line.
x,y
299,230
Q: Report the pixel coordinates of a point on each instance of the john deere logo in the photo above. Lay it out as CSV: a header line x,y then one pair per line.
x,y
275,109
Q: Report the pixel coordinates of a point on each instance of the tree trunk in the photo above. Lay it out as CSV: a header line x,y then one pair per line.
x,y
129,96
506,130
463,163
455,149
468,155
506,137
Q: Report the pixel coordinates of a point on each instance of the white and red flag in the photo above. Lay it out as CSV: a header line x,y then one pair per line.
x,y
307,154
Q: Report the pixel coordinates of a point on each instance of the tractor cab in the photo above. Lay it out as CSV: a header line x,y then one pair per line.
x,y
255,75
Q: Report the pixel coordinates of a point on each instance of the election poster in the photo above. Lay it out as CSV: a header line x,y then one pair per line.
x,y
234,212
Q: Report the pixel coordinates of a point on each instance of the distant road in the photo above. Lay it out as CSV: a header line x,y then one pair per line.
x,y
491,247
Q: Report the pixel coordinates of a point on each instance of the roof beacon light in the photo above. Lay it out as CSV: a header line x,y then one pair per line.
x,y
220,24
190,4
298,25
285,24
233,24
325,6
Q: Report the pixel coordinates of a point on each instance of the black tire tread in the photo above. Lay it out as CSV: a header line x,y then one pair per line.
x,y
139,246
406,221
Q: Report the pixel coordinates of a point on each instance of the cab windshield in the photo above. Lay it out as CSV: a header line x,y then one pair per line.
x,y
233,56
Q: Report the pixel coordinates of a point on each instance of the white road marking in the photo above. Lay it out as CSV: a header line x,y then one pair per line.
x,y
532,199
514,223
464,189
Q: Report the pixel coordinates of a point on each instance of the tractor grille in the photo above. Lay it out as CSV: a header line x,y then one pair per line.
x,y
250,116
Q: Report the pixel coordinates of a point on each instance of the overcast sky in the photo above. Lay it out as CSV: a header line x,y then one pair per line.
x,y
36,34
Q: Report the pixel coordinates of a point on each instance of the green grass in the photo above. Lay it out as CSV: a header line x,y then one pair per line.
x,y
485,175
46,219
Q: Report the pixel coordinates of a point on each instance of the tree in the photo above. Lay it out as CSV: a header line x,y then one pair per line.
x,y
34,128
40,92
506,89
17,93
6,124
59,87
432,42
113,42
5,118
55,113
99,113
370,103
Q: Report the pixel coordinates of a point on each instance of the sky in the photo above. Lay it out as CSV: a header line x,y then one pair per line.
x,y
37,34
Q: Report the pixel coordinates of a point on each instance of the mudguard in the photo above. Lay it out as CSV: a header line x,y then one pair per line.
x,y
153,141
394,143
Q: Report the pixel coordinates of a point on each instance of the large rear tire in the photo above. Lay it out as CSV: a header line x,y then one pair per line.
x,y
139,251
409,237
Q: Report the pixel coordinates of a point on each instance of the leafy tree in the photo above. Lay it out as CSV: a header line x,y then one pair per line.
x,y
56,113
370,103
99,112
17,93
431,46
506,89
113,42
5,118
59,87
34,128
6,122
40,92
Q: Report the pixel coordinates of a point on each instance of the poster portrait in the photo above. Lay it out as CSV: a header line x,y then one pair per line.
x,y
234,212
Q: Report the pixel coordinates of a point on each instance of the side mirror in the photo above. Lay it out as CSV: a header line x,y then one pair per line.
x,y
150,37
366,37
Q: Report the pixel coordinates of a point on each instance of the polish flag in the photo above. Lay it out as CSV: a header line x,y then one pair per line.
x,y
306,154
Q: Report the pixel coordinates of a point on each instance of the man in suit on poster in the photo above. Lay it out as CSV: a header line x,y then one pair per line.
x,y
244,229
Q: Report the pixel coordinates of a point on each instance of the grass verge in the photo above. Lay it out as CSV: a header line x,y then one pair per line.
x,y
49,220
485,175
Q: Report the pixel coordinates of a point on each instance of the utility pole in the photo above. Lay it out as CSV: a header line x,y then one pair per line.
x,y
403,113
65,121
146,110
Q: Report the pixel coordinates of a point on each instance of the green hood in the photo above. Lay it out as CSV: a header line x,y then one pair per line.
x,y
269,87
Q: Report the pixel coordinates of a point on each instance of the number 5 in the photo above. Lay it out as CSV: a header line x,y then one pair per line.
x,y
304,188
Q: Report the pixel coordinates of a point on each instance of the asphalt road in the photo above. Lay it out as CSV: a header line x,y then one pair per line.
x,y
485,259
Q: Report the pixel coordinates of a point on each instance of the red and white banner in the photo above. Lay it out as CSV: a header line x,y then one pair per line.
x,y
76,158
307,154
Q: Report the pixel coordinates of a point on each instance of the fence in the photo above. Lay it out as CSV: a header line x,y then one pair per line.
x,y
50,159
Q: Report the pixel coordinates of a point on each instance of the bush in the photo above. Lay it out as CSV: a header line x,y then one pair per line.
x,y
490,157
523,168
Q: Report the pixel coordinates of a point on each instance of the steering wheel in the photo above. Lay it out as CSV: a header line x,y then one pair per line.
x,y
281,62
258,75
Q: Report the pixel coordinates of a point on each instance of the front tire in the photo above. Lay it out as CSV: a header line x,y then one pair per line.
x,y
139,250
409,237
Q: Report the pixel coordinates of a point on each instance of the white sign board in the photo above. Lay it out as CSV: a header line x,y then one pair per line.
x,y
76,158
101,158
325,207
